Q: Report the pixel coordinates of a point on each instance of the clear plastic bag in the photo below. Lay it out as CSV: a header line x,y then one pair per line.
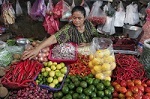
x,y
38,10
0,2
97,16
87,9
102,59
18,9
66,11
119,16
73,4
28,7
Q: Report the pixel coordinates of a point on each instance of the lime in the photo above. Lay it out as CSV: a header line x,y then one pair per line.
x,y
96,81
92,88
59,94
67,80
68,96
106,97
107,92
100,94
87,97
83,84
75,95
75,80
111,89
106,83
90,75
65,89
85,78
71,86
93,94
87,92
81,96
100,86
79,90
76,83
89,80
71,92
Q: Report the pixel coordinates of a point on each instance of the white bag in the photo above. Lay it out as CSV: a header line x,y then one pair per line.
x,y
119,16
1,2
87,9
18,9
28,7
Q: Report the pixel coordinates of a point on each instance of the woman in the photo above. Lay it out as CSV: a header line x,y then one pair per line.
x,y
79,31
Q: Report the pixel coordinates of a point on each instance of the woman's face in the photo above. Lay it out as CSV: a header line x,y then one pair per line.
x,y
78,18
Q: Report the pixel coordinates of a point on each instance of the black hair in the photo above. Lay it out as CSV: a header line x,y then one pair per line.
x,y
79,8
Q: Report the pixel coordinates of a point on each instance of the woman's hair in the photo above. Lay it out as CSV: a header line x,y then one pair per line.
x,y
79,8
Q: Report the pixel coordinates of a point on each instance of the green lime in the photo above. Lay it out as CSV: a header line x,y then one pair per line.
x,y
105,97
77,83
65,89
71,86
111,88
75,80
107,92
87,97
93,94
71,92
55,95
75,95
83,84
89,81
106,83
96,81
87,92
67,80
59,94
90,75
100,86
92,88
68,96
100,94
79,90
85,78
82,96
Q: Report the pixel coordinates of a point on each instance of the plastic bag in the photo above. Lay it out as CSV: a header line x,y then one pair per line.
x,y
132,15
28,7
38,10
49,6
1,2
73,4
58,9
97,16
87,9
18,9
119,16
66,11
102,59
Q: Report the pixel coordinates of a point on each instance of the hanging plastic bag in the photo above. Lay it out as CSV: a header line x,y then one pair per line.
x,y
119,16
58,9
87,9
73,4
109,28
28,7
18,9
66,11
132,15
38,10
49,6
8,13
1,2
97,16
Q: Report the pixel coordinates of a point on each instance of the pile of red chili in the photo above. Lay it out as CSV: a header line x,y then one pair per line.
x,y
21,74
80,67
128,68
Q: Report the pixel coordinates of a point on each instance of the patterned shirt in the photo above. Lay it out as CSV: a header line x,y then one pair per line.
x,y
69,33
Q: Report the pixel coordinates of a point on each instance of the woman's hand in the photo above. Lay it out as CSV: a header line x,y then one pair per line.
x,y
30,54
83,44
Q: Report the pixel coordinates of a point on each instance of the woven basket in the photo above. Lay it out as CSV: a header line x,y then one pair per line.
x,y
145,57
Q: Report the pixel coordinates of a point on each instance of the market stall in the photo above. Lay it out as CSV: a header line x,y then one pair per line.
x,y
112,66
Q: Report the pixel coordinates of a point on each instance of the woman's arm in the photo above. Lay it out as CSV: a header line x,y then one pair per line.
x,y
33,53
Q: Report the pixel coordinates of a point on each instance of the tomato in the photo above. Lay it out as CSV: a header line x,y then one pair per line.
x,y
114,83
148,83
130,97
128,93
137,96
117,87
121,96
145,97
147,89
115,94
134,89
130,84
140,87
122,89
137,82
140,92
148,94
123,83
144,85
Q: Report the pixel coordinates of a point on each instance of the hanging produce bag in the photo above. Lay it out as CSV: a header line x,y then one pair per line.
x,y
66,11
102,59
97,16
87,9
38,10
119,16
108,27
132,15
28,7
8,13
18,9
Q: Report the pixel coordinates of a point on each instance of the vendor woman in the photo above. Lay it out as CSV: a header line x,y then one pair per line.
x,y
79,31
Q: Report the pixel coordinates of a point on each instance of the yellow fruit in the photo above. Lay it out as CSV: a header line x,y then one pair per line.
x,y
106,52
113,65
99,76
106,67
91,57
99,54
93,71
90,64
109,59
101,61
107,73
97,68
95,61
108,78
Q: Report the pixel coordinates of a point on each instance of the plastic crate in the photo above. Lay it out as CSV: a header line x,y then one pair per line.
x,y
56,89
63,60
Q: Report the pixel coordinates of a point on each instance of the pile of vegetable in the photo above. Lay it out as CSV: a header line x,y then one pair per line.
x,y
31,92
131,89
87,87
128,68
80,67
21,74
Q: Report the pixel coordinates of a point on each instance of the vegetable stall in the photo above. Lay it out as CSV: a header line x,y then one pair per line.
x,y
113,66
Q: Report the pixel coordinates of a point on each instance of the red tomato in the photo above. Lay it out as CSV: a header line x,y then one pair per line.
x,y
140,92
115,94
148,83
145,97
134,89
114,83
123,83
140,87
137,82
144,85
137,96
128,93
130,97
115,98
122,89
117,87
121,96
148,94
130,84
147,89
